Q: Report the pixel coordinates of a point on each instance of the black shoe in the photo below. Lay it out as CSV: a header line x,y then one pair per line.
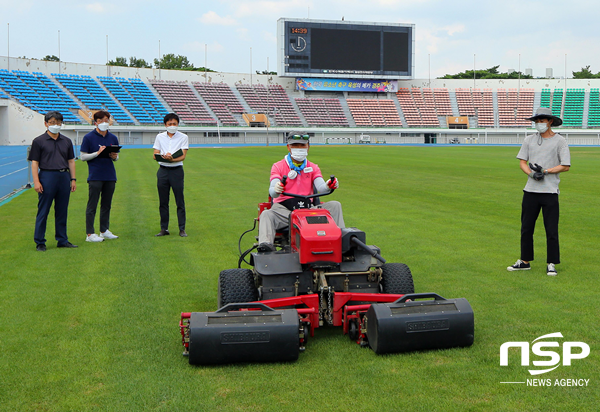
x,y
182,233
266,247
68,244
519,265
163,232
41,247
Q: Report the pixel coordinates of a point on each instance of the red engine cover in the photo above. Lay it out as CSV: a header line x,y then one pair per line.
x,y
315,236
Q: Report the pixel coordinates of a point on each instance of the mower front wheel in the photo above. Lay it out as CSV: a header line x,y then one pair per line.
x,y
397,279
236,286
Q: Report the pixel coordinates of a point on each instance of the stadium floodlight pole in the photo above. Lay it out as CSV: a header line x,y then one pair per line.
x,y
250,66
8,47
474,70
205,54
429,63
159,60
565,74
107,66
519,84
59,52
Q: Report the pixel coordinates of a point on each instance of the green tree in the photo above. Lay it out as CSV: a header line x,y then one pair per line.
x,y
119,61
135,62
585,73
491,73
266,72
51,58
170,61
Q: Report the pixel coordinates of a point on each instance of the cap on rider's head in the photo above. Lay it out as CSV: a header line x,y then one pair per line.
x,y
298,137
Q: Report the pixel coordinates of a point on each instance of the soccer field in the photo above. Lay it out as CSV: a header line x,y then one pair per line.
x,y
96,328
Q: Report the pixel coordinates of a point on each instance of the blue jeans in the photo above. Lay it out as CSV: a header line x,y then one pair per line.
x,y
57,189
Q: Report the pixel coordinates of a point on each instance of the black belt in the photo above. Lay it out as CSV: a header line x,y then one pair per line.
x,y
170,167
54,170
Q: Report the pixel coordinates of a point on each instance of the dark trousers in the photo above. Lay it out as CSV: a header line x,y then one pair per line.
x,y
170,178
57,189
97,188
530,210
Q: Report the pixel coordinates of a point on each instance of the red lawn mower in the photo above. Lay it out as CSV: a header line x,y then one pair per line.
x,y
319,275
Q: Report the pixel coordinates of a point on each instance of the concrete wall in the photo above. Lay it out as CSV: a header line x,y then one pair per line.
x,y
18,124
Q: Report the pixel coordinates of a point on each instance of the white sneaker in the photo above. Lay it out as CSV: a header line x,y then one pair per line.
x,y
93,238
551,270
108,235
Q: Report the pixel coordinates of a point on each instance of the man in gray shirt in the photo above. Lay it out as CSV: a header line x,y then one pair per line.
x,y
543,156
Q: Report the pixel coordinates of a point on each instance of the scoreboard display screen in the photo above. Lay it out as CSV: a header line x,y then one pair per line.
x,y
318,48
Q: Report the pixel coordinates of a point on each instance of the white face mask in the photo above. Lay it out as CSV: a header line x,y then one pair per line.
x,y
541,127
171,129
299,154
54,128
103,127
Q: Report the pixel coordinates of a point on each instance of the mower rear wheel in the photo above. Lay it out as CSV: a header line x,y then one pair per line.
x,y
397,279
236,286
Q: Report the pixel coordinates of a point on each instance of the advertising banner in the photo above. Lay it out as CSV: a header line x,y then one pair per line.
x,y
346,85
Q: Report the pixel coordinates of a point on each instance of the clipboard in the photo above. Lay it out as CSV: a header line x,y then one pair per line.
x,y
115,148
158,157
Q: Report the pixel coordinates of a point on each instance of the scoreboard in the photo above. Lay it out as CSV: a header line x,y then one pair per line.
x,y
359,50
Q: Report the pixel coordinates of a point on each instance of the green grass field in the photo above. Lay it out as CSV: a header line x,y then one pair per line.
x,y
96,328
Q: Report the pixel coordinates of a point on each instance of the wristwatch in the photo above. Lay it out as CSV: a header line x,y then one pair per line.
x,y
73,179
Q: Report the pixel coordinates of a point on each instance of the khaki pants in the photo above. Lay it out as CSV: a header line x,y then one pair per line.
x,y
277,218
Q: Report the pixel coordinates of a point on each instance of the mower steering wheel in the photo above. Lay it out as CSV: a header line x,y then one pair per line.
x,y
331,177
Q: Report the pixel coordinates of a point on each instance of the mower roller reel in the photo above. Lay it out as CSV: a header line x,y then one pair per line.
x,y
321,275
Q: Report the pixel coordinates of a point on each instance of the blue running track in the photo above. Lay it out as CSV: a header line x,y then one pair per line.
x,y
13,168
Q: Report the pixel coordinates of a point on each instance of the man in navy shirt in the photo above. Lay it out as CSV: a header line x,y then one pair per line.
x,y
53,170
102,175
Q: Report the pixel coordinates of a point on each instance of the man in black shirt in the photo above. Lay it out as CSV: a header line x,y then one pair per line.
x,y
53,169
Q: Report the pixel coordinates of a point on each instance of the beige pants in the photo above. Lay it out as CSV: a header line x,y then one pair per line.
x,y
277,217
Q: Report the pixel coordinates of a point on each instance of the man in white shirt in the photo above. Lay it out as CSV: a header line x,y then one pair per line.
x,y
171,147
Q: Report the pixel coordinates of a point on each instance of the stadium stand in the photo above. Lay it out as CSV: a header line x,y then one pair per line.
x,y
464,99
476,104
514,107
37,95
443,105
140,92
89,92
525,107
127,100
322,112
133,101
545,98
272,101
221,101
594,108
557,100
374,112
184,103
573,112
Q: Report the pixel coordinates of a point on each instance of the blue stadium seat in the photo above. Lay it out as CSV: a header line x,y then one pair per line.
x,y
29,91
92,95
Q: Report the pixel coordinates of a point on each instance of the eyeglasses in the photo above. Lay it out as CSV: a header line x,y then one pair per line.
x,y
299,137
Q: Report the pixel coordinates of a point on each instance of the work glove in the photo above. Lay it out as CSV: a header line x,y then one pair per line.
x,y
537,172
279,188
333,185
